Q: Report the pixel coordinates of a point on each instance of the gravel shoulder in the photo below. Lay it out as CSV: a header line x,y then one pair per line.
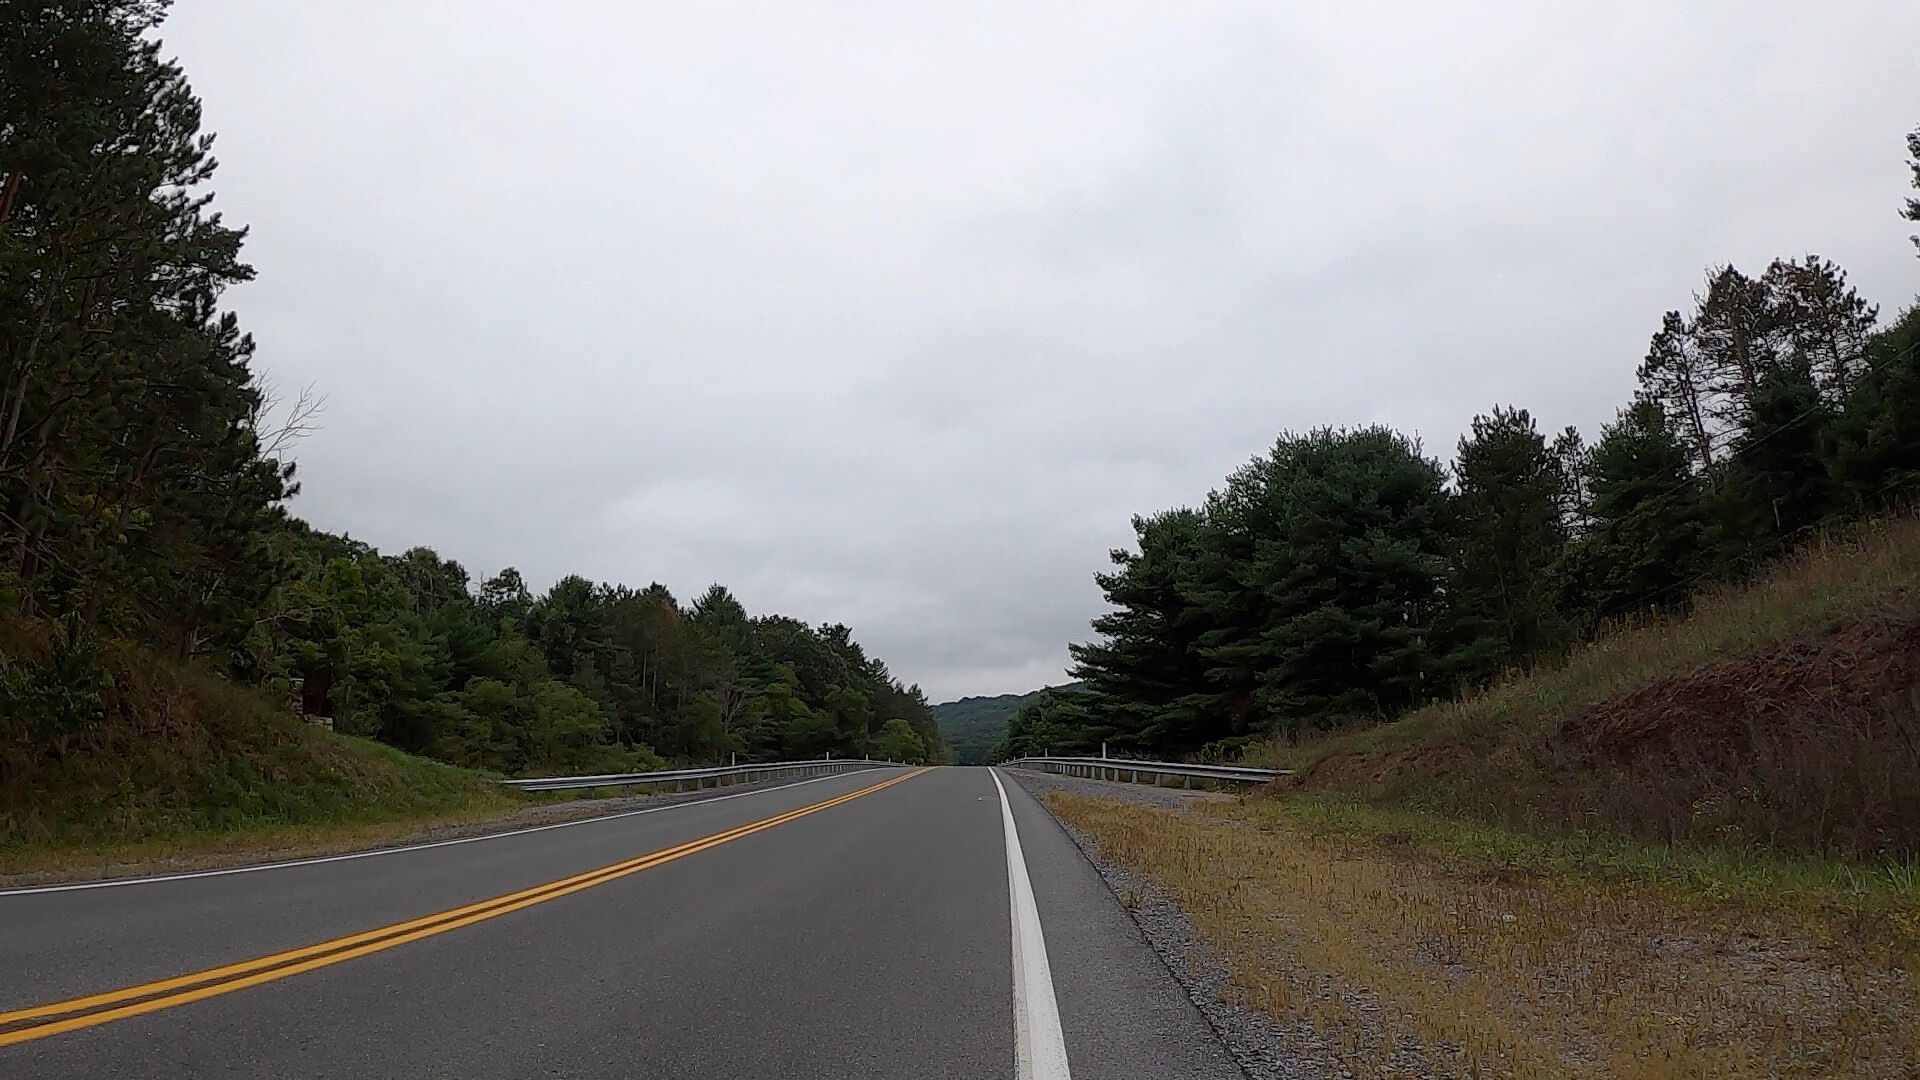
x,y
1360,948
1037,782
1262,1050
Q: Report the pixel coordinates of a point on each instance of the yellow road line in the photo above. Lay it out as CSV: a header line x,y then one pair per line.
x,y
288,956
182,989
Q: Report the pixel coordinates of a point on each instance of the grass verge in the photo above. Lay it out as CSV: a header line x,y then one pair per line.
x,y
180,762
1490,953
1783,715
337,793
1810,591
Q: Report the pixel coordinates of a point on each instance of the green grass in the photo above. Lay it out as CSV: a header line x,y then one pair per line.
x,y
185,762
1808,593
1779,717
1878,900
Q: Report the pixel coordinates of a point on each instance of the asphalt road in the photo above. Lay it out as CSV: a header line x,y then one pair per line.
x,y
866,925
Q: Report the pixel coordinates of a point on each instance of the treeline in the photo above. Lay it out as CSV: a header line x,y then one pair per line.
x,y
142,492
584,677
1345,576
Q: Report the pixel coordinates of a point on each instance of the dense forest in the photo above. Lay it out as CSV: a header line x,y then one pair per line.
x,y
1346,576
144,487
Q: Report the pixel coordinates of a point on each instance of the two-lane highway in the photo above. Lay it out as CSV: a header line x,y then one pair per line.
x,y
893,923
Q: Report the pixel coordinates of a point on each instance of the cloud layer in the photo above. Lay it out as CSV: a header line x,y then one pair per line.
x,y
894,315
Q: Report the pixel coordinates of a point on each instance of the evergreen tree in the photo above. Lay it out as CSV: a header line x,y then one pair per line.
x,y
568,623
1676,377
1736,330
132,486
1510,526
1352,569
1777,484
1645,543
1824,320
1058,723
1571,456
1143,672
1877,434
1912,210
723,616
505,597
1310,588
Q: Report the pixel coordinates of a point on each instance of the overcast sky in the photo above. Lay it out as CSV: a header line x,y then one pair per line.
x,y
893,314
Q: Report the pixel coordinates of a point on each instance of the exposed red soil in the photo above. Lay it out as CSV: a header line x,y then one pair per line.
x,y
1852,683
1372,769
1859,683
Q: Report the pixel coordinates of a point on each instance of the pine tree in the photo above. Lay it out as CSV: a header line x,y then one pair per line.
x,y
1144,671
1736,330
567,622
1571,456
1509,527
132,486
1347,573
1824,320
1675,375
1877,434
1645,544
1777,484
1912,210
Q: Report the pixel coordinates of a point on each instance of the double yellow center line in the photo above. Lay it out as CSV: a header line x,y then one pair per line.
x,y
40,1021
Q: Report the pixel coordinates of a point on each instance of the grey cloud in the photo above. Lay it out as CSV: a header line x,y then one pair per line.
x,y
893,315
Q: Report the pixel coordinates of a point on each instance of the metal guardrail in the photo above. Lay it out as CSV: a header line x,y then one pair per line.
x,y
1132,771
720,775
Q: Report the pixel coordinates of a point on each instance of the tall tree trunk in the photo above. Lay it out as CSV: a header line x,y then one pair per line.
x,y
16,398
9,193
1697,420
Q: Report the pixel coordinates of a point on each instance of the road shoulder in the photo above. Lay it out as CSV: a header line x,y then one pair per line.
x,y
1124,1012
1258,1049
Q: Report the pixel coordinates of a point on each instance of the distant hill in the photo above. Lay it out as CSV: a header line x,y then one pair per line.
x,y
972,725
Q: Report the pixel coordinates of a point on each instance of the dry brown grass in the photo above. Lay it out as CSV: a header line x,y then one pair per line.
x,y
1381,941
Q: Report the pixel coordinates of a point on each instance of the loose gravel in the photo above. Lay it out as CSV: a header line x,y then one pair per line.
x,y
1263,1050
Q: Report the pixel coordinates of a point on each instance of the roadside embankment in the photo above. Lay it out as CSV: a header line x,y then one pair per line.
x,y
1382,945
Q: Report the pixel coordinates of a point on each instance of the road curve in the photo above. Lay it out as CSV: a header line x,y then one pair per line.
x,y
866,925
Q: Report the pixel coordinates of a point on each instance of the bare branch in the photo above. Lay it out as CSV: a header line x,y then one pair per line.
x,y
298,421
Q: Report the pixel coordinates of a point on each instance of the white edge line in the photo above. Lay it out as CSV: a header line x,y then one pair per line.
x,y
108,883
1039,1047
